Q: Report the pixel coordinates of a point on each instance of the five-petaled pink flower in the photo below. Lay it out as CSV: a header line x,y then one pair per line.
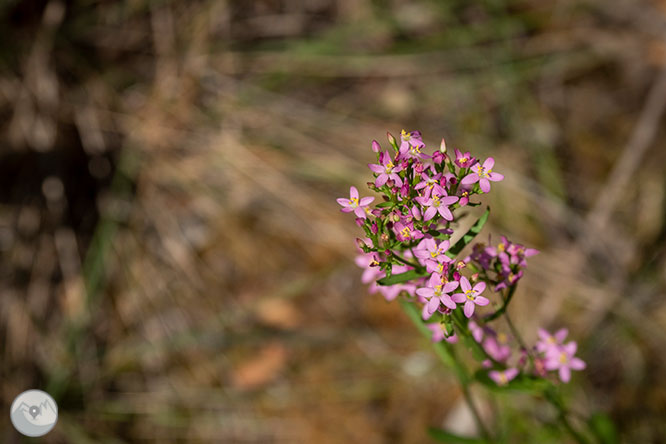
x,y
387,170
437,203
437,293
502,377
463,160
411,145
563,359
483,174
547,341
359,207
429,249
471,296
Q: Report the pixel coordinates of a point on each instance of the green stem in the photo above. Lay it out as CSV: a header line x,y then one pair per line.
x,y
406,262
562,415
447,355
504,306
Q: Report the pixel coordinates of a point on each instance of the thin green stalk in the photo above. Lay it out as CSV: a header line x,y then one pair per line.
x,y
549,393
447,355
504,306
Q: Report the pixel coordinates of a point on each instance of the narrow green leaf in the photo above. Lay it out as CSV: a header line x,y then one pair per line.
x,y
384,204
603,428
451,438
400,278
471,234
441,348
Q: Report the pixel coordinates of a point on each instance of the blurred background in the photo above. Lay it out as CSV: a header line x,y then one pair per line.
x,y
174,266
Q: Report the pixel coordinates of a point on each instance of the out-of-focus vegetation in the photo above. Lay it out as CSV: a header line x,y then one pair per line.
x,y
174,265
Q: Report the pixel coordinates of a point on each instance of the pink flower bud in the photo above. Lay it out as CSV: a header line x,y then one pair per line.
x,y
442,146
375,146
438,157
390,138
360,221
373,228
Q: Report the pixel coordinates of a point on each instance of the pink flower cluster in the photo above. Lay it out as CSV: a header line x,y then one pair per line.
x,y
406,248
555,355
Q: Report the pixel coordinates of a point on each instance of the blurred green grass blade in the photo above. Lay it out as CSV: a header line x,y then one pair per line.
x,y
603,428
440,348
443,436
471,234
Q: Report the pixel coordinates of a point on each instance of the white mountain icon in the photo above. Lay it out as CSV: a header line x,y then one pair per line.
x,y
34,413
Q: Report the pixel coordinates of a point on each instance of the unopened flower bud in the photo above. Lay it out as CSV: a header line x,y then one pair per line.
x,y
373,228
360,221
375,146
437,157
442,146
418,168
390,183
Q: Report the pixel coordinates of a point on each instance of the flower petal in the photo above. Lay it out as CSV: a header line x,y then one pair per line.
x,y
469,179
365,201
480,300
469,309
381,180
565,374
495,177
480,287
353,192
376,168
344,202
577,364
430,213
489,163
464,284
485,185
448,302
450,286
458,297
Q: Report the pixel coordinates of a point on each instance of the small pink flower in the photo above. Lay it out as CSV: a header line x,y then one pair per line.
x,y
411,146
437,293
483,174
405,231
471,296
502,377
463,160
359,207
387,170
430,249
430,184
547,341
437,203
563,360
